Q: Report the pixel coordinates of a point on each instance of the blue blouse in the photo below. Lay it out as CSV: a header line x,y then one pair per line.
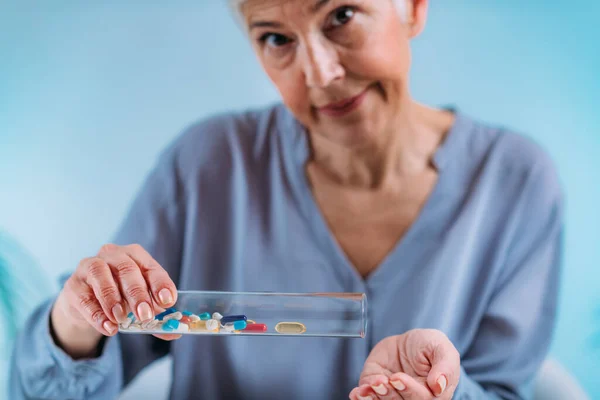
x,y
228,207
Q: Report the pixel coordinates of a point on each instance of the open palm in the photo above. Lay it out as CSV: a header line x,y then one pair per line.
x,y
420,364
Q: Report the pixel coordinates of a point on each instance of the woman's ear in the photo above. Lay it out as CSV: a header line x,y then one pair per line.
x,y
416,16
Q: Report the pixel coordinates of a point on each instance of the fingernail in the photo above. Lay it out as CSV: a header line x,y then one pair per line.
x,y
144,311
398,385
165,296
109,326
119,313
380,389
443,382
364,397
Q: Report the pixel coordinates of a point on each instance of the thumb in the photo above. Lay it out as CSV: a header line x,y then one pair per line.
x,y
445,368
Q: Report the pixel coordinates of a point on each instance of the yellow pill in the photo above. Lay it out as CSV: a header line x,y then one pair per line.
x,y
290,327
250,321
198,325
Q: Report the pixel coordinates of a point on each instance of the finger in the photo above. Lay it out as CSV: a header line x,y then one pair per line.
x,y
99,277
445,369
131,282
380,385
363,392
161,286
167,337
409,388
82,297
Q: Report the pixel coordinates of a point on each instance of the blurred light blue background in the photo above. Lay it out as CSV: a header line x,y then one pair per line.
x,y
90,93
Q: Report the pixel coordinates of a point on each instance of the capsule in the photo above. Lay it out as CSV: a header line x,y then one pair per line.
x,y
128,321
212,325
236,326
163,314
170,325
176,315
290,328
217,316
198,325
205,316
194,318
256,327
232,318
186,313
149,325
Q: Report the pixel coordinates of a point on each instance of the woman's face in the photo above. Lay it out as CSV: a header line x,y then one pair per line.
x,y
341,66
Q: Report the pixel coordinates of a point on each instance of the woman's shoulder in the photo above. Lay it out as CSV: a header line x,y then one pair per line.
x,y
226,139
519,164
513,155
230,129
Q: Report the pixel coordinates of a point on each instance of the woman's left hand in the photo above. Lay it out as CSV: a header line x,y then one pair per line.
x,y
417,365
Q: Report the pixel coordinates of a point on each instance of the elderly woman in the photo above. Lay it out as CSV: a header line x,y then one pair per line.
x,y
451,227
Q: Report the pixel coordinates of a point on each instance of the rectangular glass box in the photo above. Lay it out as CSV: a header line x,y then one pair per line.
x,y
260,313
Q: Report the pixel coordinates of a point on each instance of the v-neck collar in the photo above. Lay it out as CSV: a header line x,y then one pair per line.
x,y
296,151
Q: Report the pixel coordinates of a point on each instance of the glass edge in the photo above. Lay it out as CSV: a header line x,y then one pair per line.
x,y
350,295
365,315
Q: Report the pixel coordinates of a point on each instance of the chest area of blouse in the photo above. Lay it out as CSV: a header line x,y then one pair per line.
x,y
369,226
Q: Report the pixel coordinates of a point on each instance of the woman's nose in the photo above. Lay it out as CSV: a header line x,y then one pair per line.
x,y
320,63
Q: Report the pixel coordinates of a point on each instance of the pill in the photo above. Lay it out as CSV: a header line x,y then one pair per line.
x,y
194,318
237,325
128,321
217,316
168,311
290,327
185,320
182,328
232,318
205,316
134,328
198,325
150,324
256,327
251,322
187,313
170,325
212,325
176,316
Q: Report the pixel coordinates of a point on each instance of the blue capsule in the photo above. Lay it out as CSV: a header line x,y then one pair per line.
x,y
232,318
205,316
170,325
239,325
186,313
168,311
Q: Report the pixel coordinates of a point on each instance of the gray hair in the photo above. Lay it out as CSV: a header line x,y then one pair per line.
x,y
236,5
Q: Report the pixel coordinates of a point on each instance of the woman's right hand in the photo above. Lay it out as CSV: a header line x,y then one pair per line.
x,y
102,291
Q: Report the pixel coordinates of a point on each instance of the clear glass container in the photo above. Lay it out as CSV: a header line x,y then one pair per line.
x,y
258,313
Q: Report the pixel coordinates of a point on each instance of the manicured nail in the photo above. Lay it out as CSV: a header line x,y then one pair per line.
x,y
109,326
380,389
144,311
119,313
398,385
364,397
443,382
165,296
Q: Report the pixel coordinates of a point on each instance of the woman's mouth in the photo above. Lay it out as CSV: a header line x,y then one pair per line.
x,y
344,107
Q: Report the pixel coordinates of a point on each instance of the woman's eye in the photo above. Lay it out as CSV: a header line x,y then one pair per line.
x,y
274,40
341,16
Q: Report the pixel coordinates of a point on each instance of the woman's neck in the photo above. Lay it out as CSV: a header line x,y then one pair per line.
x,y
405,149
